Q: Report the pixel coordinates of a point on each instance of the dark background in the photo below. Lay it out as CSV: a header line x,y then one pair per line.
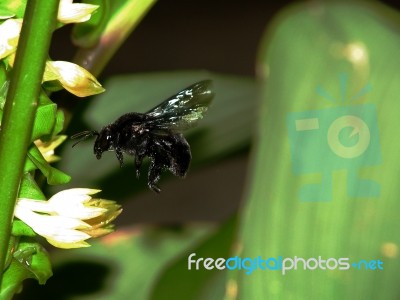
x,y
220,36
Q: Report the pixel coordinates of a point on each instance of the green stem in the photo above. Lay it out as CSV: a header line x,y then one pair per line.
x,y
20,107
117,30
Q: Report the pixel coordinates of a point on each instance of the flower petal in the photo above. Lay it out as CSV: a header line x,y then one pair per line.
x,y
64,245
46,224
76,203
47,148
98,232
76,195
9,35
60,219
68,236
33,205
73,78
69,12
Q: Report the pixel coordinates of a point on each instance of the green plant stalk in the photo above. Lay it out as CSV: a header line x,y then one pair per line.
x,y
20,107
117,30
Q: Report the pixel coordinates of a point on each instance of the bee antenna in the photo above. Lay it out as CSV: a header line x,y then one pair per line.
x,y
81,136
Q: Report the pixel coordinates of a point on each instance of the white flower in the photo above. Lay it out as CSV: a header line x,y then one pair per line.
x,y
9,35
73,78
68,218
69,12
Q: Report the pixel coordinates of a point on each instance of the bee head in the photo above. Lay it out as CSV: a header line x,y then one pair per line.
x,y
103,142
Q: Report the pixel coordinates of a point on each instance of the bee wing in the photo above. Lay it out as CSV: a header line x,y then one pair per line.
x,y
182,110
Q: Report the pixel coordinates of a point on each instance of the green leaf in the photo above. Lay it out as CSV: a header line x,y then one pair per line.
x,y
311,195
16,7
12,280
5,13
202,283
19,228
30,189
30,261
59,123
44,99
36,259
44,120
53,175
48,120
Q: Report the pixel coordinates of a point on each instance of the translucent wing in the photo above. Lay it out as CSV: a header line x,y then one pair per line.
x,y
182,110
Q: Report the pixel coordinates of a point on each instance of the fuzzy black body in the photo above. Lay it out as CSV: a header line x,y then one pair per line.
x,y
129,134
156,134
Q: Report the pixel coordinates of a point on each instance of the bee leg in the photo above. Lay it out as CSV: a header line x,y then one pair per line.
x,y
138,163
120,157
180,157
154,176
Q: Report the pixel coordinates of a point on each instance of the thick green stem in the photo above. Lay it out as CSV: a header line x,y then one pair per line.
x,y
20,107
117,30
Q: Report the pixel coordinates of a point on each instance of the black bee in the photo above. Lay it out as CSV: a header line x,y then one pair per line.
x,y
156,133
